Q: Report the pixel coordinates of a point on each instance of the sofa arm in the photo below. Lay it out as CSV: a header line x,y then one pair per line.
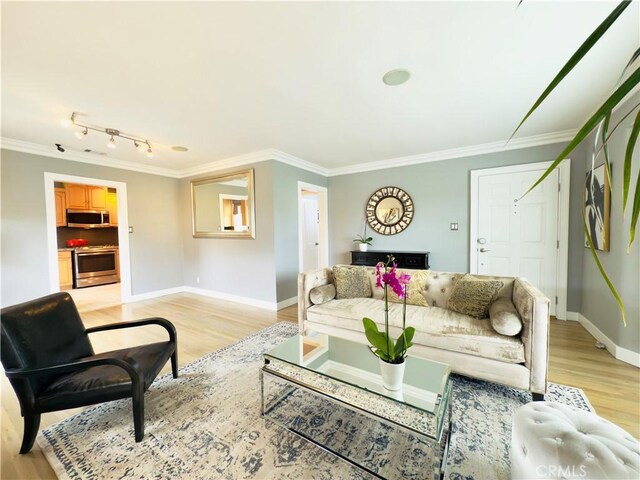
x,y
533,307
307,281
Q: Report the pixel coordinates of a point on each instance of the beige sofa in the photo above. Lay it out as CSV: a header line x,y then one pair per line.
x,y
470,346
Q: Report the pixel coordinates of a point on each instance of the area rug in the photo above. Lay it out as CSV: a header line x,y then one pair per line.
x,y
207,425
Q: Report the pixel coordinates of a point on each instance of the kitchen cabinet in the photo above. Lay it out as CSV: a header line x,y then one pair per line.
x,y
61,207
86,197
65,272
112,206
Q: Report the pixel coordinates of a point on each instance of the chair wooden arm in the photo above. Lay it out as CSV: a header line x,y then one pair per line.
x,y
138,323
130,366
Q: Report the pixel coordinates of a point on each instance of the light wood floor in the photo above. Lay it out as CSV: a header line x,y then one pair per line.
x,y
205,324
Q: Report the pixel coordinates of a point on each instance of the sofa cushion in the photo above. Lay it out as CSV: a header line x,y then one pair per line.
x,y
351,281
438,288
472,296
504,317
322,294
435,327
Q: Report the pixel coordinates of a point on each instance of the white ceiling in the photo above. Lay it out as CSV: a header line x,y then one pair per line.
x,y
226,79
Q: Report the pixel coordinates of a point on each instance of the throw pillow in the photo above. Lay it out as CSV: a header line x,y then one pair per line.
x,y
504,317
322,294
472,296
417,285
351,282
377,293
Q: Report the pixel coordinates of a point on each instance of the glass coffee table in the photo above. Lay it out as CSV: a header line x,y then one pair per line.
x,y
329,391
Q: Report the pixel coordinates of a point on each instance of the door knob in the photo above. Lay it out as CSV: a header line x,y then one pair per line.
x,y
483,250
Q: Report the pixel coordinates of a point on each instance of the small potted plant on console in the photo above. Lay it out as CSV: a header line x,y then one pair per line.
x,y
362,240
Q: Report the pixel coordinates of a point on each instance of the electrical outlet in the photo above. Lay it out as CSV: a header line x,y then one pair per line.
x,y
130,229
454,226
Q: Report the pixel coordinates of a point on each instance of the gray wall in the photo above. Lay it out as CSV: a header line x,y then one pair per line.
x,y
598,305
235,266
440,192
285,204
154,211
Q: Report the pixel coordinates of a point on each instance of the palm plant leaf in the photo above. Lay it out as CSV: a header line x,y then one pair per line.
x,y
626,171
576,57
605,146
634,214
615,98
602,271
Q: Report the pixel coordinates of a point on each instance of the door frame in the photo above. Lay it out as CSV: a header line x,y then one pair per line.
x,y
323,225
123,234
562,256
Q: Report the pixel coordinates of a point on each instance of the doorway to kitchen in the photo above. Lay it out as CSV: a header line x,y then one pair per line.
x,y
313,232
88,242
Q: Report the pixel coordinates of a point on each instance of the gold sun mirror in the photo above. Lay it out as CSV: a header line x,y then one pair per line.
x,y
389,210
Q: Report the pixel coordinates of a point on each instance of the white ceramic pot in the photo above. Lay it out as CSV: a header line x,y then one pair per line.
x,y
392,375
363,247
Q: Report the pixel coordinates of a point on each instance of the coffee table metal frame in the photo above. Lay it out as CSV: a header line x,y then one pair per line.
x,y
441,438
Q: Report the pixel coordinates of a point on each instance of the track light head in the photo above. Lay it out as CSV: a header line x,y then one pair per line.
x,y
140,146
80,134
59,148
149,152
112,142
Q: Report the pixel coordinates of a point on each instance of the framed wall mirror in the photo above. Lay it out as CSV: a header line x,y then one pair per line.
x,y
223,206
389,210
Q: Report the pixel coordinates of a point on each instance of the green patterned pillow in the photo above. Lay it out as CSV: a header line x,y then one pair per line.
x,y
351,282
473,296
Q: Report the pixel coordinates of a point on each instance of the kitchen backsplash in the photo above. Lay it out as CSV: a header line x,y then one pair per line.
x,y
93,236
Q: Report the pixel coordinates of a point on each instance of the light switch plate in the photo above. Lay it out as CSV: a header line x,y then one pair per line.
x,y
130,229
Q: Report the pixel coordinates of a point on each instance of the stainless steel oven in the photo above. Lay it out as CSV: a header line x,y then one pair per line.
x,y
94,266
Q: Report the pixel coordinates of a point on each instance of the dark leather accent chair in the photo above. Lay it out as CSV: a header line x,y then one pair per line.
x,y
49,360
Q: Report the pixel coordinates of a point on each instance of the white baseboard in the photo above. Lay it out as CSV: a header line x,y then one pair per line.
x,y
273,306
287,303
233,298
573,316
154,294
623,354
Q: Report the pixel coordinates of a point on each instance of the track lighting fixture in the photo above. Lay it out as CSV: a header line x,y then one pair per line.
x,y
59,148
142,145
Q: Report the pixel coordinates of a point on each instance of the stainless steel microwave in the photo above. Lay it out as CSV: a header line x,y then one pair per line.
x,y
88,218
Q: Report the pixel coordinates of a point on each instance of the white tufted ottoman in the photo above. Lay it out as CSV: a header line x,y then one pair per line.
x,y
550,440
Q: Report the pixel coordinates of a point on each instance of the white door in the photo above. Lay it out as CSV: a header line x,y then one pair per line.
x,y
519,238
310,221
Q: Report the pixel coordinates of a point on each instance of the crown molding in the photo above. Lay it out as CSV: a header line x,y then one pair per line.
x,y
254,157
493,147
283,157
74,156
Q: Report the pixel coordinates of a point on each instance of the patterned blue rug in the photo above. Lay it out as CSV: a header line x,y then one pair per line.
x,y
207,425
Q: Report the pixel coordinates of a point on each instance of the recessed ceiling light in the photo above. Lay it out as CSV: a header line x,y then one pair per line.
x,y
178,148
396,77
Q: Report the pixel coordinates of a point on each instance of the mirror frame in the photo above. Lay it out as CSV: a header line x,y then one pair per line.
x,y
403,222
251,234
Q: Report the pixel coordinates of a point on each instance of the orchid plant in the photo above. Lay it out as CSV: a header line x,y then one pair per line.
x,y
386,348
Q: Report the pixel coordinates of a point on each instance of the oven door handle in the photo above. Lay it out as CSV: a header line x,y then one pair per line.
x,y
107,252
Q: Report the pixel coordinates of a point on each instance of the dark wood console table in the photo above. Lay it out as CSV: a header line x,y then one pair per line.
x,y
417,260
